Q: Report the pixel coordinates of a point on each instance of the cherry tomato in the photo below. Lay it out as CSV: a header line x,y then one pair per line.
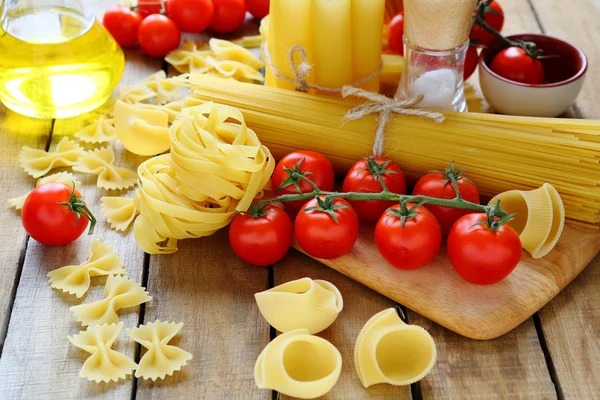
x,y
515,64
262,240
229,15
481,255
123,24
149,7
471,62
361,179
258,8
478,33
410,246
191,15
51,223
320,235
158,35
314,166
436,184
396,34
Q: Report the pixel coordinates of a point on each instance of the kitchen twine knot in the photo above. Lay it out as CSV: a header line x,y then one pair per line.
x,y
377,103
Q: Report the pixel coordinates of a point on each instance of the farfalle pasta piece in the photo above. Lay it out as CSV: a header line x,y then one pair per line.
x,y
142,131
298,364
161,359
539,217
102,130
120,293
60,177
224,50
216,167
76,279
301,304
390,351
39,162
100,162
104,364
120,212
188,58
166,89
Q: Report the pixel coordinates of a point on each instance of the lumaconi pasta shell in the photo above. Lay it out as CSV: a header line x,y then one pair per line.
x,y
142,131
539,217
298,364
105,364
301,304
161,359
389,351
39,162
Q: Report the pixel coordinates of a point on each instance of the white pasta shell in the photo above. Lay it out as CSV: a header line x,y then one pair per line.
x,y
301,304
390,351
298,364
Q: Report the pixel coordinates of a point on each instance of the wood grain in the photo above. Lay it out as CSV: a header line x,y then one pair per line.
x,y
37,361
16,131
360,304
205,286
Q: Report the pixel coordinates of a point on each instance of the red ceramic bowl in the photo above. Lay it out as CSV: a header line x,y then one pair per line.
x,y
564,76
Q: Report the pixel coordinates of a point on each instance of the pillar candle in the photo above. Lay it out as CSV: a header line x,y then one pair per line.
x,y
367,34
289,25
332,42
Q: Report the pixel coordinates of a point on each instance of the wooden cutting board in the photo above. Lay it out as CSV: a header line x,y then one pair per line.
x,y
437,292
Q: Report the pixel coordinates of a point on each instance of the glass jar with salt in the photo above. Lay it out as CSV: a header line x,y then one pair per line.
x,y
436,39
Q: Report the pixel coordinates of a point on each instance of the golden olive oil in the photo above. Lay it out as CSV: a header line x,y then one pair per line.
x,y
56,63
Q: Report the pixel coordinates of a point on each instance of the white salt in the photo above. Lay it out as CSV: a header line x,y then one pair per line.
x,y
437,87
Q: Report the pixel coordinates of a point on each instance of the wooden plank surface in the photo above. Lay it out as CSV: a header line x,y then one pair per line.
x,y
37,360
360,304
208,288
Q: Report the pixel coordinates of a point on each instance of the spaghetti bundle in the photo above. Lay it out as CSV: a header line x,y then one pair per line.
x,y
500,152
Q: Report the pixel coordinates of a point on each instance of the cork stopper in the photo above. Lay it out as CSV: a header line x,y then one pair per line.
x,y
438,24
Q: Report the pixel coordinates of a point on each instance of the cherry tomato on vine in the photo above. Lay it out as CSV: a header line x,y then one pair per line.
x,y
261,237
158,35
229,15
191,15
471,62
122,24
438,184
314,166
515,64
408,244
258,8
396,33
494,17
365,177
55,214
326,234
482,255
149,7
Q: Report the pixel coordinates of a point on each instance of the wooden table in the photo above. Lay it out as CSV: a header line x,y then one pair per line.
x,y
554,354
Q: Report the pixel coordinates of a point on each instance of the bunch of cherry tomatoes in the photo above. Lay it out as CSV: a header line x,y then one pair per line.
x,y
516,63
482,250
157,24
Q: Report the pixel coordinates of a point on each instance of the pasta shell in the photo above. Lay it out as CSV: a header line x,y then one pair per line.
x,y
76,279
389,351
143,131
301,304
105,364
100,162
298,364
161,359
39,162
539,217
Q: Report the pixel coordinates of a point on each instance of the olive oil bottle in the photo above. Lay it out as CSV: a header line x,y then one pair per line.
x,y
54,61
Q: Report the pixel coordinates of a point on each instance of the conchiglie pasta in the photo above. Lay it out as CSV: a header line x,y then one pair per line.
x,y
39,162
390,351
66,178
301,304
298,364
100,162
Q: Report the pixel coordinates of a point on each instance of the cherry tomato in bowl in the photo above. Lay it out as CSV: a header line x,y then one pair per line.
x,y
261,239
326,234
515,64
408,244
480,254
314,166
55,214
365,176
